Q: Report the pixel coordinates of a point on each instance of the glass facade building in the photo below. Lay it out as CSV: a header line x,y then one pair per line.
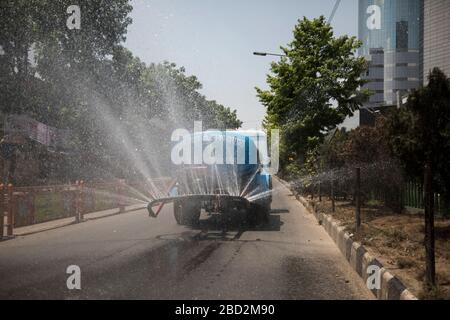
x,y
392,33
436,39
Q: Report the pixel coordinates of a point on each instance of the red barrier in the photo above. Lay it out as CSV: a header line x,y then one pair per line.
x,y
2,210
10,217
120,194
161,206
79,201
23,206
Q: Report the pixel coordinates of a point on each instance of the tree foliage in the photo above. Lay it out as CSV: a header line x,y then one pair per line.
x,y
85,81
319,70
421,140
421,130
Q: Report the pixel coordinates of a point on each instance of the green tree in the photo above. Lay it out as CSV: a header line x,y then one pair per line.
x,y
36,30
420,138
367,148
318,72
81,79
18,27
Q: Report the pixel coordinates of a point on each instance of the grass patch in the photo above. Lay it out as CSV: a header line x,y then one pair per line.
x,y
49,207
53,206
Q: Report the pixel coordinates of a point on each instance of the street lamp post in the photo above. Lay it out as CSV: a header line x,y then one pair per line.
x,y
264,54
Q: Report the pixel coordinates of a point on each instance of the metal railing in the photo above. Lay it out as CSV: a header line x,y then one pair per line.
x,y
23,206
413,197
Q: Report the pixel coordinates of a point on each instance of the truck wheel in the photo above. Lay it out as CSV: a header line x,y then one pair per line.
x,y
190,213
252,215
265,213
177,210
258,214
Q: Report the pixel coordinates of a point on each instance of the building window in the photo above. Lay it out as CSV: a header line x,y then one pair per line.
x,y
402,35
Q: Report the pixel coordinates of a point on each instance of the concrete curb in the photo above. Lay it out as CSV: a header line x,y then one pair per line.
x,y
391,288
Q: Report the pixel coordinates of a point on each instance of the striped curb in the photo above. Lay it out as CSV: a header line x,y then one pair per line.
x,y
391,288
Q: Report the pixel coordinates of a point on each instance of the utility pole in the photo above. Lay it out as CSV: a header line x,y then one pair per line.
x,y
430,270
358,198
336,6
320,192
428,120
333,207
320,180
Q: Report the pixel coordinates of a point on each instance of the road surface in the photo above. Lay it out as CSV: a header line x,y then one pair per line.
x,y
131,256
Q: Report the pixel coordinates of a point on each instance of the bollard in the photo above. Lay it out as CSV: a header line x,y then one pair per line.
x,y
32,207
77,202
120,190
2,211
82,201
10,218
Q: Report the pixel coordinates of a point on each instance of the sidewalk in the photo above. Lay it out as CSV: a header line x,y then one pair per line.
x,y
40,227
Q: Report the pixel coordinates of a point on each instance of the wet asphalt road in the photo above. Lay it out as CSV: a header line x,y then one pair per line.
x,y
132,256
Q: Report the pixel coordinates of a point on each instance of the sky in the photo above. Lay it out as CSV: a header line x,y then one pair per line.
x,y
215,40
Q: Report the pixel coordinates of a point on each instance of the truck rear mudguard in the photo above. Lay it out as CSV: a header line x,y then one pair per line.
x,y
220,198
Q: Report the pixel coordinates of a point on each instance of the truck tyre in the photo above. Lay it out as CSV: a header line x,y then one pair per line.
x,y
265,213
258,214
177,211
190,213
252,216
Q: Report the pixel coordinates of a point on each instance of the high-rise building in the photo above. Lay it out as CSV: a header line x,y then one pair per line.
x,y
391,32
436,36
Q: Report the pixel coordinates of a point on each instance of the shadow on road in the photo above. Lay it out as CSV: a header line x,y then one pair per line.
x,y
279,211
215,227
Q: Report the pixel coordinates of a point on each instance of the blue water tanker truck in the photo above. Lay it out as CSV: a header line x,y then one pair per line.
x,y
232,178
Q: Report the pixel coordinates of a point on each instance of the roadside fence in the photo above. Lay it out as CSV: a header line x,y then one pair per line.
x,y
23,206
